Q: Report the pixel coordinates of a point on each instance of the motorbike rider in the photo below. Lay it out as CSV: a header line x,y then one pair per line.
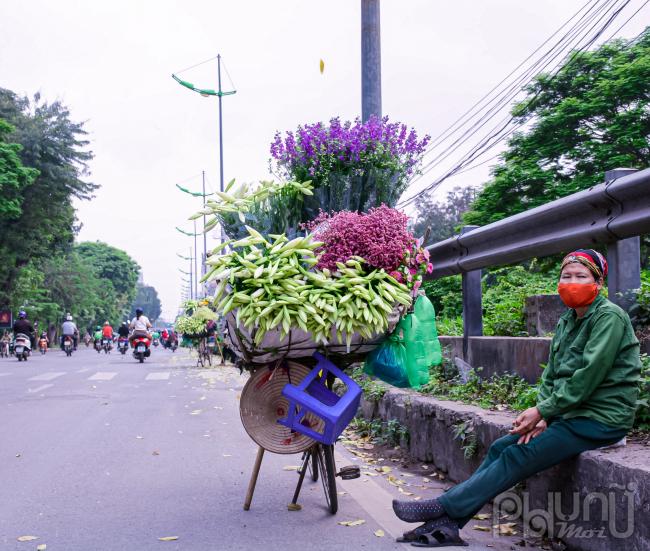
x,y
24,326
97,336
107,331
43,337
123,330
69,329
140,325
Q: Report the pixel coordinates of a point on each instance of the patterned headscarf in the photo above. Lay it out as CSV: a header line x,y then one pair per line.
x,y
591,259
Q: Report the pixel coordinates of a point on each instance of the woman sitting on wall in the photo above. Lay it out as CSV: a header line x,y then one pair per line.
x,y
586,401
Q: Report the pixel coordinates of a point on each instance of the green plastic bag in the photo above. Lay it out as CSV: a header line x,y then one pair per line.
x,y
388,362
420,341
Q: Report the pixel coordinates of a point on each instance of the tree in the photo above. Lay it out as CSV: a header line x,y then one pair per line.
x,y
147,299
592,116
55,147
13,175
442,218
114,266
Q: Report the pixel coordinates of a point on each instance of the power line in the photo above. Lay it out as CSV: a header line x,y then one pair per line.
x,y
197,65
502,130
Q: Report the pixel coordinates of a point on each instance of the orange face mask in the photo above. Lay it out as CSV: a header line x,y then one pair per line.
x,y
575,295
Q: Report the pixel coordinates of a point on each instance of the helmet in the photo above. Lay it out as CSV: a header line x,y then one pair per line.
x,y
98,328
68,318
124,323
106,323
22,314
139,311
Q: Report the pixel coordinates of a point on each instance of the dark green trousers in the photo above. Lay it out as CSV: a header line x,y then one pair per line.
x,y
508,463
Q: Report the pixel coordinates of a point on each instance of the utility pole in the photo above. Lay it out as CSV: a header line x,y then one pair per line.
x,y
196,268
191,281
370,59
205,237
220,95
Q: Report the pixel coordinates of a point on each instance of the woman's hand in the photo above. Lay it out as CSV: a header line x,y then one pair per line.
x,y
539,429
526,421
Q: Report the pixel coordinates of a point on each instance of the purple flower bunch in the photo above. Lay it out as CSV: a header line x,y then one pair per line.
x,y
316,150
380,237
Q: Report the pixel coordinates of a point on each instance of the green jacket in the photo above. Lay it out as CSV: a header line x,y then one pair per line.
x,y
593,368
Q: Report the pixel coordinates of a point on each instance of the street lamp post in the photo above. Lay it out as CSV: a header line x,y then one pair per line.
x,y
219,93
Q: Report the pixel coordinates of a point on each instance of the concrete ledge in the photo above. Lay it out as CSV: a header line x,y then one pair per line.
x,y
503,355
621,475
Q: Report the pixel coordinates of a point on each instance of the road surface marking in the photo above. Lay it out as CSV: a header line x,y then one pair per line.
x,y
83,370
103,376
39,389
157,376
49,376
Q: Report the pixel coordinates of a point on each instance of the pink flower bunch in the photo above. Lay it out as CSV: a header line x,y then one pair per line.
x,y
414,266
380,237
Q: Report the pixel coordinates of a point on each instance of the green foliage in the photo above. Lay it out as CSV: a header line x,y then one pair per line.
x,y
442,217
504,296
594,115
503,391
465,432
390,433
113,265
642,421
146,297
640,311
450,327
13,175
446,294
373,389
54,148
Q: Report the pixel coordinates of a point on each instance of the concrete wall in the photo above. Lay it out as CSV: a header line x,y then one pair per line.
x,y
501,355
430,423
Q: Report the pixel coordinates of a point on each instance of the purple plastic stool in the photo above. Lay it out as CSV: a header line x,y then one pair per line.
x,y
313,396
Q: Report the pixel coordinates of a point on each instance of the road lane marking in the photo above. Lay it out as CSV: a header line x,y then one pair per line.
x,y
39,389
103,376
49,376
83,370
157,376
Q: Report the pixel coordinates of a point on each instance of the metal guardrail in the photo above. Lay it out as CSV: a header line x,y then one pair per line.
x,y
614,210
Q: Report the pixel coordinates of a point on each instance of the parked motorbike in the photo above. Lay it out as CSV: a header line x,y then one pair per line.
x,y
42,345
22,347
107,344
141,348
123,345
68,345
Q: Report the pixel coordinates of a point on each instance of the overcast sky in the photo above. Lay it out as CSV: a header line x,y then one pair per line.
x,y
111,61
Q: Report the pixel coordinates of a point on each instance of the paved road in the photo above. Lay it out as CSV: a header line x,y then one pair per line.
x,y
101,453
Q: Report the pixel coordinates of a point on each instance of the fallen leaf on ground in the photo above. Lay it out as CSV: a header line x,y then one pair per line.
x,y
155,452
402,491
27,538
290,468
384,469
394,481
425,479
407,474
417,498
294,507
368,473
342,493
481,516
17,455
379,533
196,412
481,528
41,547
227,454
140,437
506,529
168,538
358,522
425,466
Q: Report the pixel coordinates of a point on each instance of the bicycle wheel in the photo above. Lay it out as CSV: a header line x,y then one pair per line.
x,y
313,464
327,470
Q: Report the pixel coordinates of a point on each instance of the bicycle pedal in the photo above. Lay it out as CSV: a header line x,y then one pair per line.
x,y
349,472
